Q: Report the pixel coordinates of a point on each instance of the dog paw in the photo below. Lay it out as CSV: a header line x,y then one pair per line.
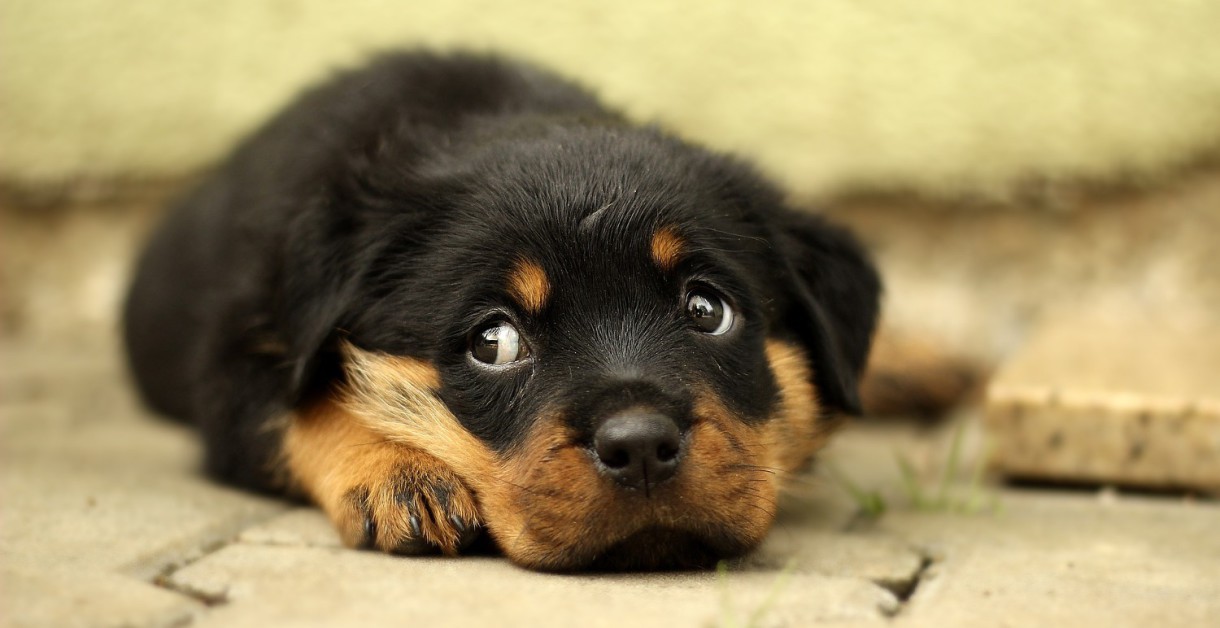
x,y
419,507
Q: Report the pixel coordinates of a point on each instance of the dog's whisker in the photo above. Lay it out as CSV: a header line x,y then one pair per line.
x,y
752,467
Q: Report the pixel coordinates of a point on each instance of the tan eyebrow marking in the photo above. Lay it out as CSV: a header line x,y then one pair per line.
x,y
529,285
667,248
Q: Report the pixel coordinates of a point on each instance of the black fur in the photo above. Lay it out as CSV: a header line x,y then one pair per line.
x,y
388,206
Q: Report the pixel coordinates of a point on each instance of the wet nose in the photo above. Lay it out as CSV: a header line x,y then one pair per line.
x,y
638,450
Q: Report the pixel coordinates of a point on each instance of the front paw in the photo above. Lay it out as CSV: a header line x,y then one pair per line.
x,y
419,507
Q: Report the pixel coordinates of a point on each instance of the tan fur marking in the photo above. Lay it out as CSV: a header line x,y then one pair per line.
x,y
552,509
395,397
355,474
544,501
796,430
667,248
386,432
528,284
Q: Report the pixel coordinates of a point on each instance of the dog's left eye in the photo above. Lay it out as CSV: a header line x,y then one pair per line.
x,y
498,343
709,312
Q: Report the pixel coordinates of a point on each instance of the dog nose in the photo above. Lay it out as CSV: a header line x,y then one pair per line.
x,y
638,450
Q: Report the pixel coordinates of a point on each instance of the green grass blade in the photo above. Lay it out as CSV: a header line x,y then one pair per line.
x,y
910,482
728,618
951,466
870,503
777,587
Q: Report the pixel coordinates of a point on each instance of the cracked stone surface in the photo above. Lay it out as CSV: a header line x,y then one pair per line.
x,y
276,585
1071,559
106,522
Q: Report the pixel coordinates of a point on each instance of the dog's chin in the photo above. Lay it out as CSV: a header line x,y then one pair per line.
x,y
660,549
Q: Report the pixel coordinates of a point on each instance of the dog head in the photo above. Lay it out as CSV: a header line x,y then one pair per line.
x,y
621,342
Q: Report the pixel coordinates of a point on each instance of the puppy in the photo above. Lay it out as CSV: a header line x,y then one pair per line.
x,y
453,294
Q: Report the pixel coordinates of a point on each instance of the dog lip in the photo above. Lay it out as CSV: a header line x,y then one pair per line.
x,y
658,547
650,547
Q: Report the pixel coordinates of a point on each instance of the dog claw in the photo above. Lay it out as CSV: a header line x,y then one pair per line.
x,y
415,512
370,533
466,534
415,542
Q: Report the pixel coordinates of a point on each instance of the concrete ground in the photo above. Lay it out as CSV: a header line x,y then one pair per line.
x,y
106,522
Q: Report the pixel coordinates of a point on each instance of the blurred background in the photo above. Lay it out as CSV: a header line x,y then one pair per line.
x,y
1020,170
1038,180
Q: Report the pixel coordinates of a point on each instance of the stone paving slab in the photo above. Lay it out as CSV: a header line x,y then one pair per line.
x,y
99,497
275,585
1112,395
879,558
84,514
1042,557
1067,560
299,527
42,596
106,522
833,577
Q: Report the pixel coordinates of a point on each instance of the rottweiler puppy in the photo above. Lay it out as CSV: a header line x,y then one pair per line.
x,y
452,294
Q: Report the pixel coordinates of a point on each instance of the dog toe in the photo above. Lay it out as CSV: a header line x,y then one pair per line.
x,y
420,509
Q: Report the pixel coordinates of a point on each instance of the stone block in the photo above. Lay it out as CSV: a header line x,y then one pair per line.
x,y
1111,399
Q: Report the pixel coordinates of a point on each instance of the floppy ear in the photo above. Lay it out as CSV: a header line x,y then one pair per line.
x,y
333,258
326,260
323,267
833,294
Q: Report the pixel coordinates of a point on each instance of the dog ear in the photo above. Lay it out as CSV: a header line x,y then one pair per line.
x,y
338,249
326,262
833,293
322,269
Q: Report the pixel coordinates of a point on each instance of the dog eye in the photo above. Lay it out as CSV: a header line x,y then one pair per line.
x,y
709,312
498,343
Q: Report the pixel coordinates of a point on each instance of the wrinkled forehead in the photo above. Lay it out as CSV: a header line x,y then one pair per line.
x,y
551,237
627,228
594,262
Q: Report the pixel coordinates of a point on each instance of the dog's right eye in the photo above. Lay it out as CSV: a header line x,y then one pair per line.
x,y
498,343
709,312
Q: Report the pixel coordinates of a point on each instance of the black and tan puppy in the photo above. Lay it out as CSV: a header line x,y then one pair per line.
x,y
448,294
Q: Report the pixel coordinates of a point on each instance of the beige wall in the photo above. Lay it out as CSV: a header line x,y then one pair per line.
x,y
827,94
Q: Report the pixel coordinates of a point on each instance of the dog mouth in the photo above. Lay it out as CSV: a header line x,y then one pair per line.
x,y
554,510
659,548
671,534
609,531
671,544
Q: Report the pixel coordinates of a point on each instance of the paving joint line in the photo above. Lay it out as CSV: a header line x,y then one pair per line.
x,y
164,576
904,589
